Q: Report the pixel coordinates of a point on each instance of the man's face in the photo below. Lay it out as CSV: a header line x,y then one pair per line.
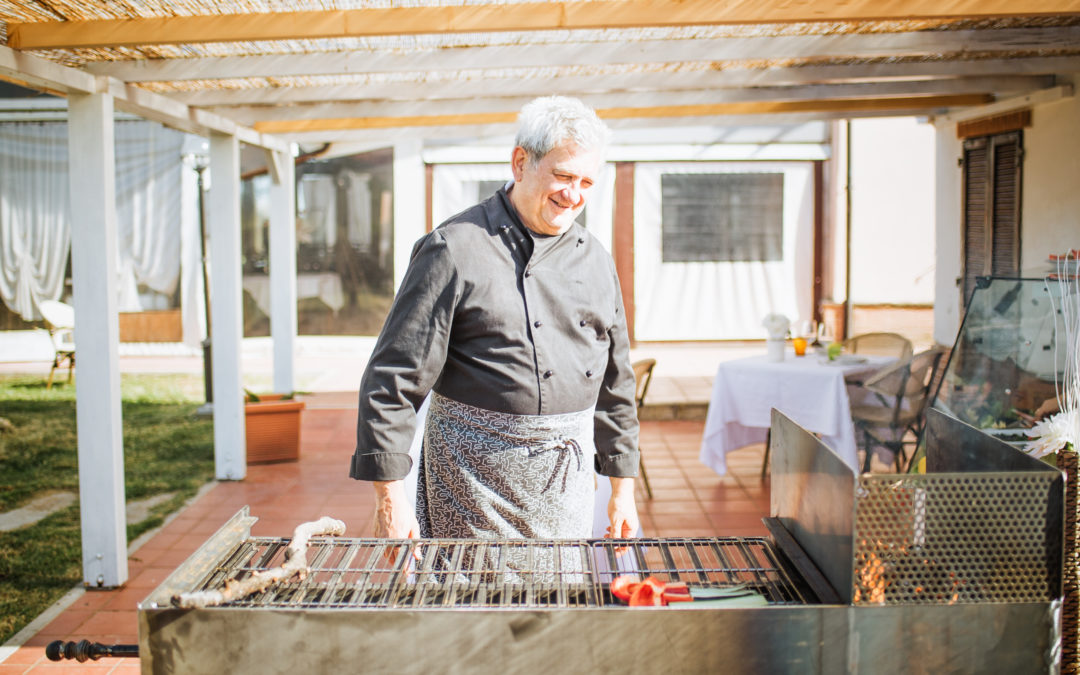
x,y
550,195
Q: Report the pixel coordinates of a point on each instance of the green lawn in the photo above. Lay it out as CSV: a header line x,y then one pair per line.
x,y
167,449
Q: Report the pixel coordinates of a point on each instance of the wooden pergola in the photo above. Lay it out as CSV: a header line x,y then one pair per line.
x,y
275,73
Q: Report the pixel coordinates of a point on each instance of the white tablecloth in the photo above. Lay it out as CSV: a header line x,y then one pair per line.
x,y
808,389
325,286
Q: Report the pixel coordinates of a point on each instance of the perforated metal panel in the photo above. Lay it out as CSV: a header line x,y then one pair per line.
x,y
955,538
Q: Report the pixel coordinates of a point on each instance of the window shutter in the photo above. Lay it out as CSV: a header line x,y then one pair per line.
x,y
991,207
1005,231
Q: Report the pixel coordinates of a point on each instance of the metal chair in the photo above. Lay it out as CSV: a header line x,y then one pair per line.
x,y
903,390
60,320
643,371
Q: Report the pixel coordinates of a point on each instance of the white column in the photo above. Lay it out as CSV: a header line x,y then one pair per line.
x,y
409,203
97,336
283,268
226,307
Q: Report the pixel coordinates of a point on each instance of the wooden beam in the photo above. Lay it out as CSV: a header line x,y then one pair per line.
x,y
575,85
425,107
506,130
53,78
1043,96
705,50
596,14
674,111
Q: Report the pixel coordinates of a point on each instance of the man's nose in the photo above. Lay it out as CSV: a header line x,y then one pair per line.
x,y
574,192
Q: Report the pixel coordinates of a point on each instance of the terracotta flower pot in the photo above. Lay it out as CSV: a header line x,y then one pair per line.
x,y
273,429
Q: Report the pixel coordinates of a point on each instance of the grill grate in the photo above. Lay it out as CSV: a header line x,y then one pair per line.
x,y
463,573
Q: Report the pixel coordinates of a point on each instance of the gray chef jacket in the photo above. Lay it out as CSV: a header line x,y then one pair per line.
x,y
492,315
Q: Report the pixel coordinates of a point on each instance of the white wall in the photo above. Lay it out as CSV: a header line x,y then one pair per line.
x,y
948,189
1051,184
892,211
1050,202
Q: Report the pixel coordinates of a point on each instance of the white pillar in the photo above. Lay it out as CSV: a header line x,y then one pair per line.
x,y
226,307
409,203
283,268
97,336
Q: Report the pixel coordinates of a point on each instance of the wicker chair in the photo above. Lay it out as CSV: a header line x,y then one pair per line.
x,y
60,318
643,371
903,389
879,344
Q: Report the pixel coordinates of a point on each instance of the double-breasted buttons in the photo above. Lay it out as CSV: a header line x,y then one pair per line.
x,y
537,324
588,373
547,374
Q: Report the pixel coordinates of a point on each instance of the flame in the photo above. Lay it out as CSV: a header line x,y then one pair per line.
x,y
872,579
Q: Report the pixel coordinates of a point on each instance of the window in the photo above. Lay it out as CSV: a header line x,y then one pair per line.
x,y
722,217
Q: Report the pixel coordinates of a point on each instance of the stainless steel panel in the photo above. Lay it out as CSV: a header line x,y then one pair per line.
x,y
813,496
1002,638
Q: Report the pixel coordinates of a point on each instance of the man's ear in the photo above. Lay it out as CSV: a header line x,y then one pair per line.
x,y
517,162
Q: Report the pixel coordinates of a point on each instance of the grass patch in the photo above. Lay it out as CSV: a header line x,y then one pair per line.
x,y
167,449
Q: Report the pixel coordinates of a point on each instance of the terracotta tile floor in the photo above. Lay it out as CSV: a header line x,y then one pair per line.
x,y
689,500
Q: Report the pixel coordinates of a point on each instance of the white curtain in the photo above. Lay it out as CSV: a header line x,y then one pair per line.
x,y
316,206
35,234
35,230
720,300
148,193
358,193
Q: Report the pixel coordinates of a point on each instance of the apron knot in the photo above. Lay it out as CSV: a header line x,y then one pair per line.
x,y
565,447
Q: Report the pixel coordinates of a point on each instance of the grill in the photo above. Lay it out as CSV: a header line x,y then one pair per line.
x,y
955,570
540,574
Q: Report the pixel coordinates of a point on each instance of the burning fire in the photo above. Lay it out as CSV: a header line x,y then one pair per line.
x,y
872,581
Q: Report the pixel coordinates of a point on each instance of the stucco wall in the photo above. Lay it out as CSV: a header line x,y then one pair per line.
x,y
892,211
1051,186
1050,202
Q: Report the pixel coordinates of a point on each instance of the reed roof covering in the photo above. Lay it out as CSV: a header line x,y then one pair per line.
x,y
326,70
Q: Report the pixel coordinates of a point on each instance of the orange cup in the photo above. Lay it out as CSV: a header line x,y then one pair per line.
x,y
799,344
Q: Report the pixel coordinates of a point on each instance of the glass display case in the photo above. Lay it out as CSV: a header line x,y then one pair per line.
x,y
1008,358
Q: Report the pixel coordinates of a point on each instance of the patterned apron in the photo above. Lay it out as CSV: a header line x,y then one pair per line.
x,y
491,475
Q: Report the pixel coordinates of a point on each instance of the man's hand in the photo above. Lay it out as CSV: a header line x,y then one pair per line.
x,y
622,510
394,518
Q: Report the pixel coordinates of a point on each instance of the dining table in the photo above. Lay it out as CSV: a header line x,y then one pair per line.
x,y
812,390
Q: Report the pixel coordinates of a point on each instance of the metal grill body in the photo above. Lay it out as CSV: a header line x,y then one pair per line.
x,y
958,570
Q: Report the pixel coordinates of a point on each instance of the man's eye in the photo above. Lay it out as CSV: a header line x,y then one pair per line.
x,y
586,184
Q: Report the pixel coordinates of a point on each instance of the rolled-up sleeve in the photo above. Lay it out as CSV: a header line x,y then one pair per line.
x,y
407,360
615,426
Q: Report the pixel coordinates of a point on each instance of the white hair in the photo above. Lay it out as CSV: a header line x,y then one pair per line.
x,y
546,122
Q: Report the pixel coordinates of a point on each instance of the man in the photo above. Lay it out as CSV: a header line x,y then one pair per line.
x,y
510,315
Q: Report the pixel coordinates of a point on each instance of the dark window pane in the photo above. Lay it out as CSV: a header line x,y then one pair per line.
x,y
722,217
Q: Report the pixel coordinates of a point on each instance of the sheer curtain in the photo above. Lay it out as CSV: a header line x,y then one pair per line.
x,y
35,235
717,300
148,193
35,230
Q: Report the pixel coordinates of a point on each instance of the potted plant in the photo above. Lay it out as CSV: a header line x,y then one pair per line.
x,y
272,423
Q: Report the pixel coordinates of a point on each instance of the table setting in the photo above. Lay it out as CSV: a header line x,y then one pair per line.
x,y
811,388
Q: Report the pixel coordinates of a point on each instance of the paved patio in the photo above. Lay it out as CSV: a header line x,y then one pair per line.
x,y
689,499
